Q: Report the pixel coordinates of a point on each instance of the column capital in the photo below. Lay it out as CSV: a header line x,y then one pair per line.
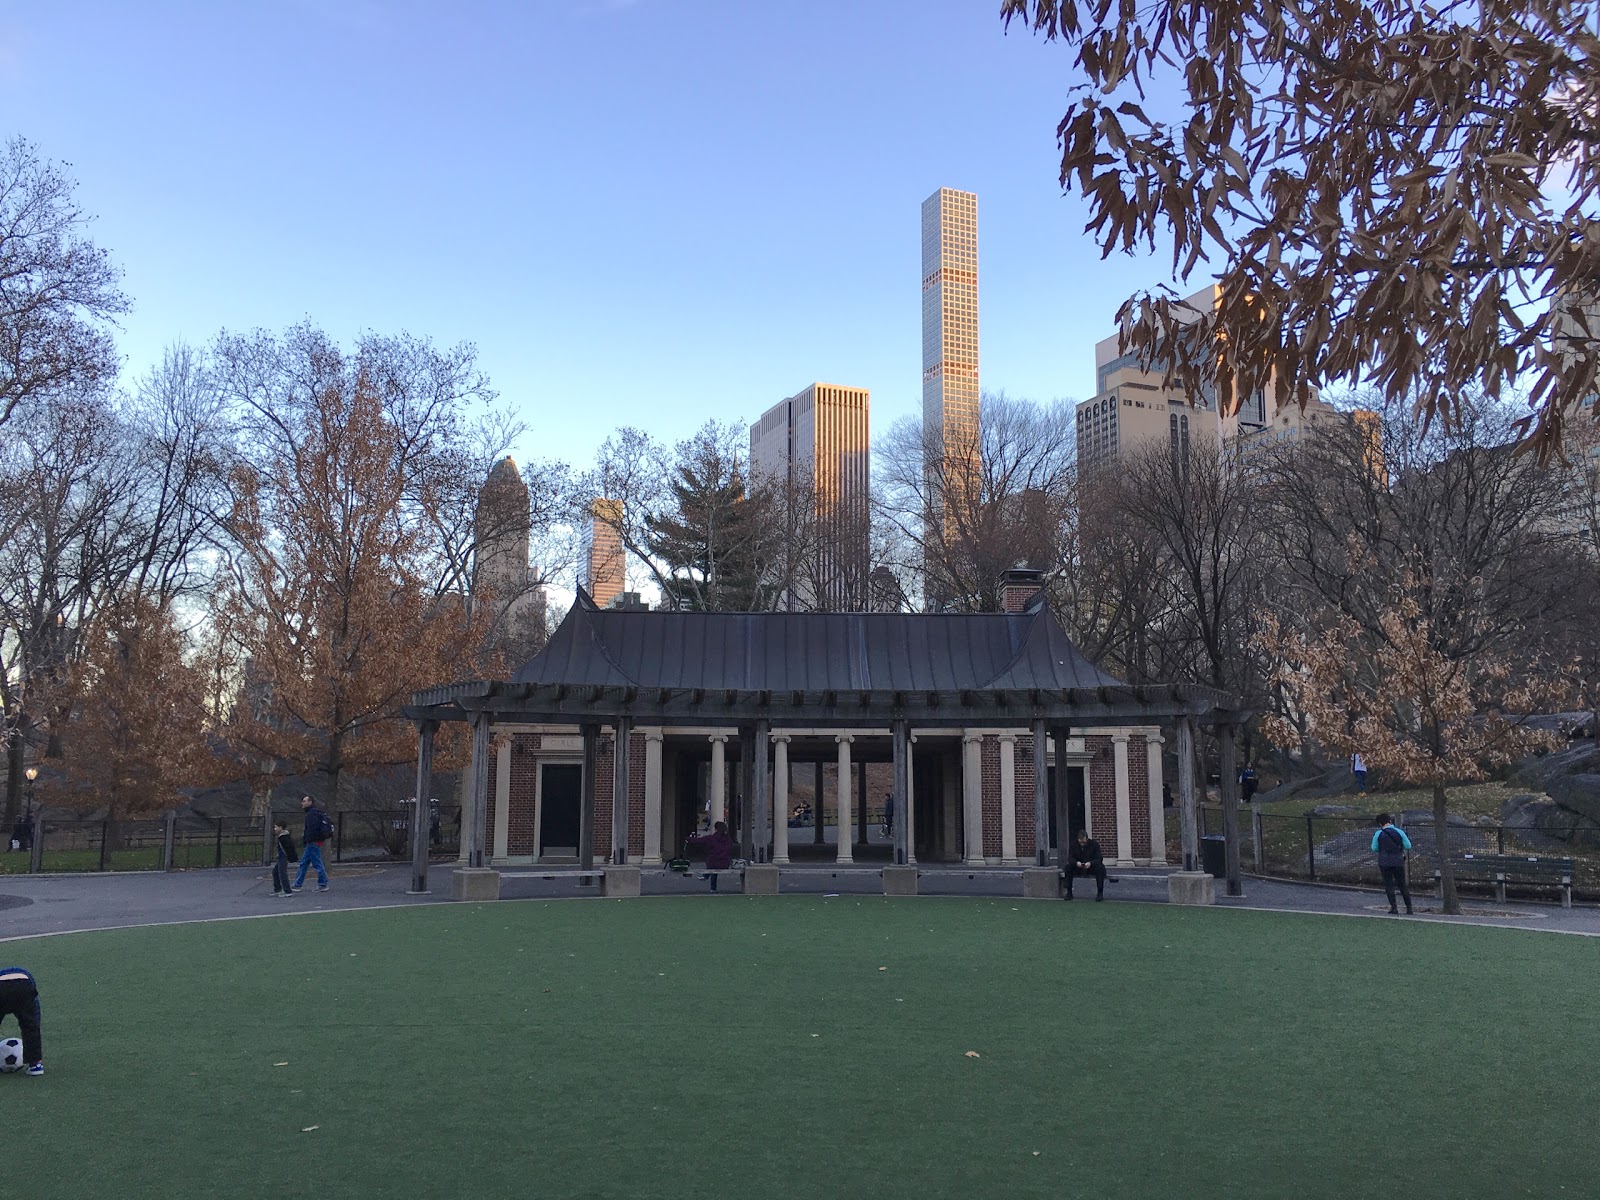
x,y
1007,739
779,735
653,735
1154,739
717,737
499,738
844,739
969,738
1119,739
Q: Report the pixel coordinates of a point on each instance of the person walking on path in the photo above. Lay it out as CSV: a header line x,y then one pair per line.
x,y
1084,858
280,865
719,850
1390,843
1358,768
319,828
1248,783
19,998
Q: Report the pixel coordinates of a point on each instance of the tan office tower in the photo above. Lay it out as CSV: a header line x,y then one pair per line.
x,y
950,322
816,443
603,563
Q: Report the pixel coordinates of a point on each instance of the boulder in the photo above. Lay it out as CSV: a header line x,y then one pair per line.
x,y
1337,810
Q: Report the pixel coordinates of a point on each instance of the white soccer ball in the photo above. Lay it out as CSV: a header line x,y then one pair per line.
x,y
11,1054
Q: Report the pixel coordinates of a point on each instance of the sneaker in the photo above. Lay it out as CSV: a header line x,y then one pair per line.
x,y
1394,912
1409,913
1099,898
322,887
36,1069
297,887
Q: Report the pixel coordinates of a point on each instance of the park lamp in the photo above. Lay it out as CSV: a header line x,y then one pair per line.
x,y
32,773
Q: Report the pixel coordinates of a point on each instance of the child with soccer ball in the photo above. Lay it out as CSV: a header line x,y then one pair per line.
x,y
19,998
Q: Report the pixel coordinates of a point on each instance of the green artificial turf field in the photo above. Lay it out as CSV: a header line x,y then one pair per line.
x,y
806,1047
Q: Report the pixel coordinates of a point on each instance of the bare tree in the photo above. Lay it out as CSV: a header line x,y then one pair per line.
x,y
1388,192
962,518
58,290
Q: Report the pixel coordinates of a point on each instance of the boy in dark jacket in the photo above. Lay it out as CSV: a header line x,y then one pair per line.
x,y
719,850
1084,858
19,998
286,855
1390,844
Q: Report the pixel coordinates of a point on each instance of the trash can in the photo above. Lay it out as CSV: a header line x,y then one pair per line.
x,y
1214,855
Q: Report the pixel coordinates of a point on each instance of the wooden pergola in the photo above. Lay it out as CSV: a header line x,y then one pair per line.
x,y
763,672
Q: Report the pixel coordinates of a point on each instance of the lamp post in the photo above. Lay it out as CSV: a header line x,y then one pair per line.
x,y
32,773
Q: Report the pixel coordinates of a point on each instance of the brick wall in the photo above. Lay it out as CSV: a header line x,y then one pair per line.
x,y
520,837
1024,795
1102,793
1139,794
989,760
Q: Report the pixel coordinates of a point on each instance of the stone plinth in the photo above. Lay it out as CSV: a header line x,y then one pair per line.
x,y
1041,883
620,881
761,879
1191,887
474,883
899,881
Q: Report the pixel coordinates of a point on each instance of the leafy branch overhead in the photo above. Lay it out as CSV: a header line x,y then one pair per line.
x,y
1390,193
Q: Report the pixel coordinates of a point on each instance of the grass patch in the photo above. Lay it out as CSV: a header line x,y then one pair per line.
x,y
695,1047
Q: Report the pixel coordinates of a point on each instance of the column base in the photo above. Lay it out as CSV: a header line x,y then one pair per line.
x,y
1041,883
651,860
899,881
620,882
1191,887
780,860
761,879
474,883
845,859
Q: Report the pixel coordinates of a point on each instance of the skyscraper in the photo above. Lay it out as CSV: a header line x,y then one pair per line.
x,y
603,563
816,443
950,323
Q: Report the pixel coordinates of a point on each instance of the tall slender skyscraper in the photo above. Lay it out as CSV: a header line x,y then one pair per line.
x,y
950,321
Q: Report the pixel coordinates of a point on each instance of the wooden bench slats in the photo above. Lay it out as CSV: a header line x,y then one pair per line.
x,y
1501,869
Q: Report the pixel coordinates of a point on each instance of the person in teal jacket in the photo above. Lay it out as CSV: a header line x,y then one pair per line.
x,y
1390,844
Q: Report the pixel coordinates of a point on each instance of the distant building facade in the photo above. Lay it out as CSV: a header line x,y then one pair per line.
x,y
502,575
817,444
602,567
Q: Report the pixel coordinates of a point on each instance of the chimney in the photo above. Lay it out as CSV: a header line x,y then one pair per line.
x,y
1019,586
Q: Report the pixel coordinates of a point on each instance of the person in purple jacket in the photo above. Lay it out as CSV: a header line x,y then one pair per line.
x,y
719,850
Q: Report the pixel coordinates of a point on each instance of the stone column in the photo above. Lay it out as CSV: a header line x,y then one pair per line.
x,y
1158,813
761,793
1041,798
902,793
586,801
420,813
911,797
1008,799
621,785
780,798
1189,822
1228,781
478,791
1119,766
502,795
861,804
972,795
842,817
652,798
718,785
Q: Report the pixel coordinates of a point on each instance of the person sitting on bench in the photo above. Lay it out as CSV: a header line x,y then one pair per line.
x,y
1083,858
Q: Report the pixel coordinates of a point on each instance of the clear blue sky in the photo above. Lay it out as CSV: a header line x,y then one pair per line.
x,y
642,212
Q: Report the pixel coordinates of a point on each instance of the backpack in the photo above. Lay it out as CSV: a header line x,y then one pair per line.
x,y
324,826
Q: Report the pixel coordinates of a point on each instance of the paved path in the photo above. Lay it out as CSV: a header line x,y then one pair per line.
x,y
46,904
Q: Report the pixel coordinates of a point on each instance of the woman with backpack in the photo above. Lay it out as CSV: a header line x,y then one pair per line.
x,y
1390,844
319,828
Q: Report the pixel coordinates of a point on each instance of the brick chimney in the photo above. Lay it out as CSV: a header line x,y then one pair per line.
x,y
1018,586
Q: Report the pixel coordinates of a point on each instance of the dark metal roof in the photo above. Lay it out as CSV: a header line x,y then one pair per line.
x,y
845,652
842,668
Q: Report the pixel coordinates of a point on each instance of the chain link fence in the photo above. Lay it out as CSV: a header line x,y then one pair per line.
x,y
182,843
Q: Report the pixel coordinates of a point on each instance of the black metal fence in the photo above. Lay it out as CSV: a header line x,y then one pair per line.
x,y
1338,849
64,844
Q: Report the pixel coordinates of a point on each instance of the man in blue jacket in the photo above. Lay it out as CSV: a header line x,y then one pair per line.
x,y
1390,843
19,998
318,829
